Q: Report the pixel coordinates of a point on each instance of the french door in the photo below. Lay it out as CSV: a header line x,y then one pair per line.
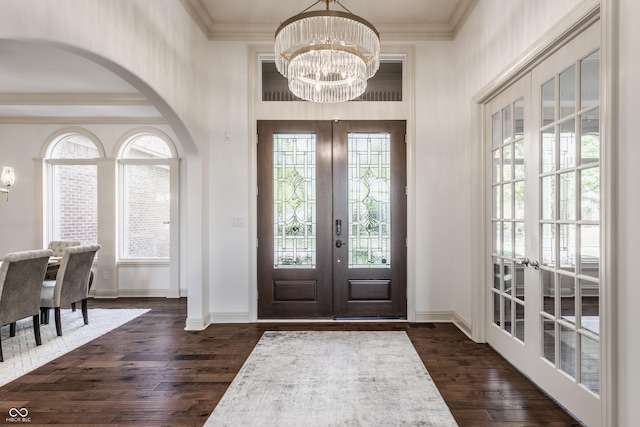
x,y
543,148
331,219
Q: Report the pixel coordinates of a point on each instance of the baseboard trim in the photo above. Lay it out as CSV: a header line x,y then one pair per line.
x,y
230,317
197,324
135,293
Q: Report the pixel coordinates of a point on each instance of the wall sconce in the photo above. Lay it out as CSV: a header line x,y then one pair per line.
x,y
7,178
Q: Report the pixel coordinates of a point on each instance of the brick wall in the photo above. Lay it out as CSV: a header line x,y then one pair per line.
x,y
147,202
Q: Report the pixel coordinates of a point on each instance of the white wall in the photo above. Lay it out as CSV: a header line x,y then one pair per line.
x,y
442,202
628,213
157,48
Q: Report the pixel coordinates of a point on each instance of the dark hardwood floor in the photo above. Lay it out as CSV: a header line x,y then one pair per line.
x,y
151,372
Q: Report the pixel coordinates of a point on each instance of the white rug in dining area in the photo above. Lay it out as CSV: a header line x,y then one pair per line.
x,y
333,378
21,355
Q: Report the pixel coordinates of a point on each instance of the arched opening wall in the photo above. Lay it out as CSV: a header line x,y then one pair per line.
x,y
130,43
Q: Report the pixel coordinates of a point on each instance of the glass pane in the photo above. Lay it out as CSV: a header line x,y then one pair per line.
x,y
383,86
568,351
294,200
590,306
518,159
590,250
590,364
75,203
548,292
548,137
548,197
496,130
567,298
507,173
519,329
496,200
568,144
496,308
507,239
507,314
549,102
147,211
568,92
590,194
519,283
508,277
590,137
75,147
507,211
549,339
568,247
497,166
518,118
548,245
507,124
497,272
147,147
497,236
568,196
369,200
519,239
590,81
518,199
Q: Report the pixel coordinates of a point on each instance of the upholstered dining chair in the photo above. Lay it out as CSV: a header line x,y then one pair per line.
x,y
71,284
59,246
21,275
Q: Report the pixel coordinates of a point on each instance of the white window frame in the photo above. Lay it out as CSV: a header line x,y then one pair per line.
x,y
173,165
48,165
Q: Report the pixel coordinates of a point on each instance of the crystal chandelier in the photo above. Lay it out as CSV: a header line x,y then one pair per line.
x,y
327,55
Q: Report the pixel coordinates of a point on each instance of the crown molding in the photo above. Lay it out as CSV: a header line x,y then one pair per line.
x,y
124,99
461,14
46,120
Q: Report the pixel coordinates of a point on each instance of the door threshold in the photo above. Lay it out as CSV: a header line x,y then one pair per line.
x,y
337,320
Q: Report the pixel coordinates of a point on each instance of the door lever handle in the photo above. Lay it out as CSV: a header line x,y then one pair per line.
x,y
535,264
524,261
339,243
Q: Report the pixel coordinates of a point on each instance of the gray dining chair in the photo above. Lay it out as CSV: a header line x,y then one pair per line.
x,y
70,286
21,275
59,246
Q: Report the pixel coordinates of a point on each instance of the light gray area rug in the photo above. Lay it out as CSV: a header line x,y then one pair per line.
x,y
332,378
21,355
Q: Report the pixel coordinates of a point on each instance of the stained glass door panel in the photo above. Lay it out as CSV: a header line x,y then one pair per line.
x,y
294,233
370,204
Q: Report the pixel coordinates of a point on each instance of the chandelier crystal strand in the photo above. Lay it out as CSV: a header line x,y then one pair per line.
x,y
327,56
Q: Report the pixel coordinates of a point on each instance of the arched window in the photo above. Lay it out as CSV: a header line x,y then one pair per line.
x,y
148,171
71,209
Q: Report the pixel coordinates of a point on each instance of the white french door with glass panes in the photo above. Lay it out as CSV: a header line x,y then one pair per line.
x,y
543,145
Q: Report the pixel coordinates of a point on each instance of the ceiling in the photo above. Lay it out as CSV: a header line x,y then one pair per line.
x,y
44,84
395,20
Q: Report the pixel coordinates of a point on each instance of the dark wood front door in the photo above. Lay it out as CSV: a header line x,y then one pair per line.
x,y
331,219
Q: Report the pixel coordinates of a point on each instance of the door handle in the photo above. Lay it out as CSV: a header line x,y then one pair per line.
x,y
339,243
528,263
338,227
